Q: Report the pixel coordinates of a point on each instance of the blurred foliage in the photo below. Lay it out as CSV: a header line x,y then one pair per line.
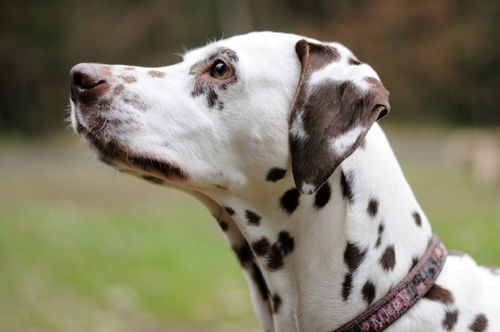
x,y
439,59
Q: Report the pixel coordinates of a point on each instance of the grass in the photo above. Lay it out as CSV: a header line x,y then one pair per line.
x,y
83,248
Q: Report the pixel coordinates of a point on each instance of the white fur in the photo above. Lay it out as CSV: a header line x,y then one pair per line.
x,y
234,148
340,144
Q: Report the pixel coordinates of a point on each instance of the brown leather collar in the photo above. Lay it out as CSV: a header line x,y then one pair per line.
x,y
402,297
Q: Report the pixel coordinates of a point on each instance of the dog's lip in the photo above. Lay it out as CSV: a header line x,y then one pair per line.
x,y
113,153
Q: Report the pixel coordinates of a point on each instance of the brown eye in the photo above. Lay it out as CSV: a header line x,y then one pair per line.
x,y
220,70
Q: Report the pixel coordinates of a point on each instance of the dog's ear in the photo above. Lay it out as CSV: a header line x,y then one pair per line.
x,y
338,98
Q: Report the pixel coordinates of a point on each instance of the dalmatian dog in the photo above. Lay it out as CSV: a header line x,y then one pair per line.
x,y
276,135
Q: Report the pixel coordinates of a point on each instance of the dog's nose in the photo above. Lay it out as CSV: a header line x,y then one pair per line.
x,y
88,82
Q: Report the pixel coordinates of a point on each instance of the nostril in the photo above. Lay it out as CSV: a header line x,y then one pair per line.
x,y
78,80
87,82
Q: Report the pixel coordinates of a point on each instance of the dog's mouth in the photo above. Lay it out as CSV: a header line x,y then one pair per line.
x,y
113,153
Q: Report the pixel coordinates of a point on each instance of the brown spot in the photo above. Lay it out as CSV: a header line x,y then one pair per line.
x,y
221,187
168,170
417,218
134,100
440,294
229,210
259,281
281,248
276,303
450,320
275,174
127,79
353,256
346,286
368,292
243,253
261,247
223,225
380,232
129,68
372,207
353,61
414,263
252,218
345,183
480,323
388,259
118,89
275,258
286,242
290,200
156,73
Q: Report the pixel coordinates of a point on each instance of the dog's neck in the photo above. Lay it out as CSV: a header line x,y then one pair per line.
x,y
317,261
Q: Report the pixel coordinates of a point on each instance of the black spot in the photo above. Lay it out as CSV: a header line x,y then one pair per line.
x,y
220,105
275,174
243,253
212,97
223,225
380,232
480,323
414,263
153,179
290,200
347,286
275,258
372,207
261,247
322,196
286,242
417,218
388,259
276,303
346,187
368,292
252,218
450,320
259,280
353,256
229,210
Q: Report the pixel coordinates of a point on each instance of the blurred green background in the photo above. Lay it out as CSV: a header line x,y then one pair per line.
x,y
84,248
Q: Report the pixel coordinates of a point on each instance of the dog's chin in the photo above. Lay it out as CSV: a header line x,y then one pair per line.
x,y
111,152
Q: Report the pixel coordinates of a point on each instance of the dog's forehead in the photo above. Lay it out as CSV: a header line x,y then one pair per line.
x,y
256,44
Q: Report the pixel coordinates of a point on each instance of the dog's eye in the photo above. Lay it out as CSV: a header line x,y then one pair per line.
x,y
220,70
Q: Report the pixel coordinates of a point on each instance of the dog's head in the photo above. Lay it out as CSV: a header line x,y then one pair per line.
x,y
230,112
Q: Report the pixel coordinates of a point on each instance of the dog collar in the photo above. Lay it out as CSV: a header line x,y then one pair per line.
x,y
402,297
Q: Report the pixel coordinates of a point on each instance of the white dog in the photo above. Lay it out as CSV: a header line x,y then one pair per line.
x,y
275,133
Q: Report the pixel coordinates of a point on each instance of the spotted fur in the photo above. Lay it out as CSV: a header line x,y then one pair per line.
x,y
287,155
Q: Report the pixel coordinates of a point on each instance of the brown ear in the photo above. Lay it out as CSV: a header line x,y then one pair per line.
x,y
337,100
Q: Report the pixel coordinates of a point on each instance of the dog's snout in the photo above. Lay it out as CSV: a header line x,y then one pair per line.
x,y
88,82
